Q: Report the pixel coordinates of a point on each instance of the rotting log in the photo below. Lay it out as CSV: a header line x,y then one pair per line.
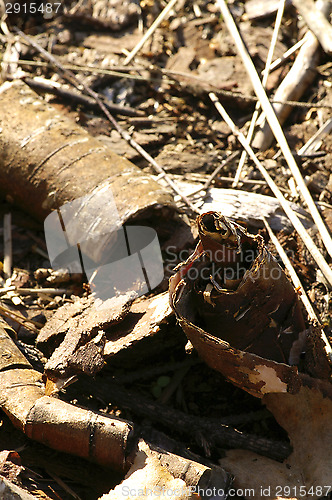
x,y
46,160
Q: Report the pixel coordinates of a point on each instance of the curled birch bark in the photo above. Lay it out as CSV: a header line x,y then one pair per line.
x,y
55,423
47,160
158,473
240,311
294,84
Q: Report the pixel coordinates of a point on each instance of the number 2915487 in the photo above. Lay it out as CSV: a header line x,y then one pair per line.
x,y
32,8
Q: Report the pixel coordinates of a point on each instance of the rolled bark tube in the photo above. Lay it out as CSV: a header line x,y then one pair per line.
x,y
47,160
62,426
238,308
53,168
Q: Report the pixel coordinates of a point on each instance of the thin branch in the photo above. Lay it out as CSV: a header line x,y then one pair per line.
x,y
278,62
208,181
277,25
298,285
217,434
316,254
28,291
80,85
309,146
277,130
21,320
50,87
231,93
118,72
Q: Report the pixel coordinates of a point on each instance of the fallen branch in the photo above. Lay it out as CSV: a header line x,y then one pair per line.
x,y
293,85
266,73
316,22
215,434
45,151
50,87
79,84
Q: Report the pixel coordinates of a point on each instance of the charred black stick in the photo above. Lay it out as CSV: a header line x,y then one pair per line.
x,y
49,88
217,435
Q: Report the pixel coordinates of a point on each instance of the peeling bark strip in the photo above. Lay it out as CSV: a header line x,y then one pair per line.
x,y
240,311
46,160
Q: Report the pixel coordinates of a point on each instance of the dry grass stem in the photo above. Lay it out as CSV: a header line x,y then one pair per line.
x,y
307,240
278,133
7,243
314,142
298,285
164,13
280,13
278,62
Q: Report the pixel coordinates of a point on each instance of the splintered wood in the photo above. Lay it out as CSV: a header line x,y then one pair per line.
x,y
82,335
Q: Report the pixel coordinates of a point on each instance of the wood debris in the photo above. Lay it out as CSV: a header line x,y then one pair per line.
x,y
107,389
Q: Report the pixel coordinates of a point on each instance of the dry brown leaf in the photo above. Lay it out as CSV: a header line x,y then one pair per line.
x,y
306,473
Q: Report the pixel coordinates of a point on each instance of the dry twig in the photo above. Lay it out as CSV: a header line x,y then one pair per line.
x,y
280,137
164,13
314,141
317,22
278,62
7,243
316,254
298,285
266,73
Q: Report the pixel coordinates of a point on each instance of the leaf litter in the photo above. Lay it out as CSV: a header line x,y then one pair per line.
x,y
188,55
